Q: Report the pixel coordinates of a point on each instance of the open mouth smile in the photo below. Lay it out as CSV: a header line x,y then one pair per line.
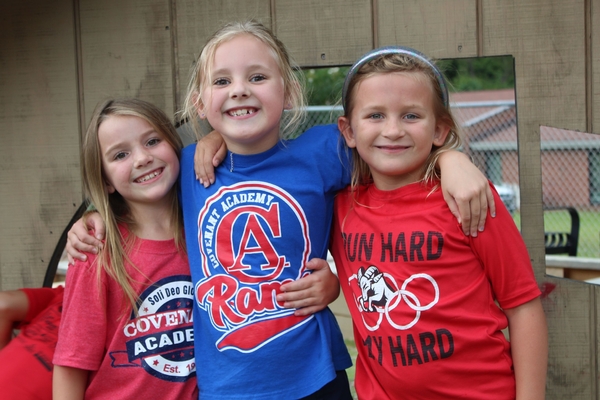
x,y
149,176
241,112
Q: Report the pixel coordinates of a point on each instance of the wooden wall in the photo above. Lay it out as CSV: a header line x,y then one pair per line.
x,y
59,58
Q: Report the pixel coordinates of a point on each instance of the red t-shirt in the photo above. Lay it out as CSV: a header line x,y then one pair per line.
x,y
149,356
30,353
422,295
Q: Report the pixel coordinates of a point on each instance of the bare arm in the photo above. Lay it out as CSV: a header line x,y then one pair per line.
x,y
529,347
13,308
210,152
313,292
466,190
68,383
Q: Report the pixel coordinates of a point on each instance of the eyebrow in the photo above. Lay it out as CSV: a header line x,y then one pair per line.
x,y
226,71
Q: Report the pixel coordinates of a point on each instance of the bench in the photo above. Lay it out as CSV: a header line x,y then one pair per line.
x,y
564,242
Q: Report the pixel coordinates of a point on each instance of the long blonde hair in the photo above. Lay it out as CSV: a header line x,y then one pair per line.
x,y
292,81
113,208
392,60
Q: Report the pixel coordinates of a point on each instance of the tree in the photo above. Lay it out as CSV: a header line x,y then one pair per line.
x,y
483,73
324,85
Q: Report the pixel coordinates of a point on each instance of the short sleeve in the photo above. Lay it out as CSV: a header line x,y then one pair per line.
x,y
506,261
82,333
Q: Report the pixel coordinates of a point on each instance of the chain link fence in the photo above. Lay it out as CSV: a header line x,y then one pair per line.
x,y
570,164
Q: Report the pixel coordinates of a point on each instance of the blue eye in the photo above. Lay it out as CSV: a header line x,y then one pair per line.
x,y
376,116
411,116
257,78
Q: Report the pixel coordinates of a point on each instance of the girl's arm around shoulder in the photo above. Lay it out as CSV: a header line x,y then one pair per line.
x,y
80,240
529,347
68,383
210,151
466,190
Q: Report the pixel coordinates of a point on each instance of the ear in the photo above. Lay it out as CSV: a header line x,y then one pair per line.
x,y
289,94
441,132
109,188
346,131
200,107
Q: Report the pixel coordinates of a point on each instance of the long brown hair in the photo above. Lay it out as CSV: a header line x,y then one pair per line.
x,y
112,207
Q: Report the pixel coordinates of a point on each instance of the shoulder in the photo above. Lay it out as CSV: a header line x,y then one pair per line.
x,y
344,194
82,270
323,140
188,152
321,132
348,197
186,170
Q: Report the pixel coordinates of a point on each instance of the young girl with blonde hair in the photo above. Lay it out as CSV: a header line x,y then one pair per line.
x,y
269,211
254,235
126,329
422,295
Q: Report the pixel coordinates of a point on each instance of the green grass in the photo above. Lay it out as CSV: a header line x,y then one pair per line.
x,y
589,229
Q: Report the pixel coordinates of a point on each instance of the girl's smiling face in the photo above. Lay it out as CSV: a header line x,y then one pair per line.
x,y
136,160
393,127
245,95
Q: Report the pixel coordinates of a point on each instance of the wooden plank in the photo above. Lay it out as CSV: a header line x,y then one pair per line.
x,y
39,156
580,274
198,20
594,65
126,52
439,29
550,90
543,38
319,33
571,368
547,39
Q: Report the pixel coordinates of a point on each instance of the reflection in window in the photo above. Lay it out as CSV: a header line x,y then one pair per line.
x,y
483,101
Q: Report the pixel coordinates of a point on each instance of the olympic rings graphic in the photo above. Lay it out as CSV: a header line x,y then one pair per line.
x,y
396,295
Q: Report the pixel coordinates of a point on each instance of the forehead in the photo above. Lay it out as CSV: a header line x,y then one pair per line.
x,y
244,49
116,127
415,86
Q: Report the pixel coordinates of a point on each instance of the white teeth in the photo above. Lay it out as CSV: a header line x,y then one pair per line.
x,y
147,177
240,112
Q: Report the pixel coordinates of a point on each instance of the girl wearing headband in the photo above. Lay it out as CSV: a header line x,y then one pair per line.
x,y
423,296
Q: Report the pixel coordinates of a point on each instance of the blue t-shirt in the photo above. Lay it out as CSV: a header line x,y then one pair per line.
x,y
253,230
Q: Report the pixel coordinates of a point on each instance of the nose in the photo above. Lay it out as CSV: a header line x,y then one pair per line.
x,y
239,89
142,158
393,129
